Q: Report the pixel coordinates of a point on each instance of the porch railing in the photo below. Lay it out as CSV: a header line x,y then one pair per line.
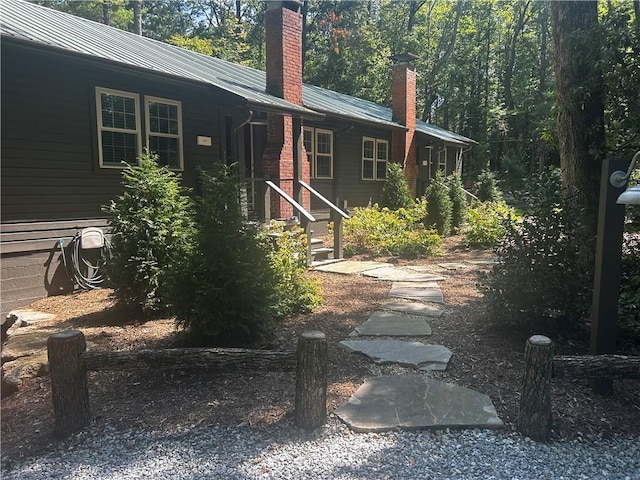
x,y
336,216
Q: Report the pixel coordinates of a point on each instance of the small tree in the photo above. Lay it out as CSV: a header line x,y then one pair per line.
x,y
395,191
152,229
459,207
226,293
488,187
439,206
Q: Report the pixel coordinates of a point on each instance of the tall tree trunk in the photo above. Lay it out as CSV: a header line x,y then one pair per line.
x,y
580,105
106,12
542,78
137,17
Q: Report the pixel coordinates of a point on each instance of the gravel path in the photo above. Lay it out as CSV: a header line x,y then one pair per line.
x,y
333,452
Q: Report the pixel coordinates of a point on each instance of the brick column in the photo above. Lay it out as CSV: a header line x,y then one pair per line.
x,y
403,93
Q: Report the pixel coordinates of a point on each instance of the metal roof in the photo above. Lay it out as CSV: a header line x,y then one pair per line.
x,y
36,24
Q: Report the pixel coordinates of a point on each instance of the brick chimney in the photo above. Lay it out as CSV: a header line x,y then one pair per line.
x,y
283,30
403,105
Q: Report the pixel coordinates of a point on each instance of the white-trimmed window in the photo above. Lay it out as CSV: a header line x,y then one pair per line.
x,y
375,157
164,130
442,159
118,127
319,146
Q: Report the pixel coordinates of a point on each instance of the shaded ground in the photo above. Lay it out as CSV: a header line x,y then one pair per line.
x,y
486,357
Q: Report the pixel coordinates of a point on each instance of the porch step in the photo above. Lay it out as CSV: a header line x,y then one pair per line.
x,y
327,261
321,253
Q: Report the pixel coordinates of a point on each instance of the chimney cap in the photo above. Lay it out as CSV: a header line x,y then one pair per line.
x,y
407,57
294,5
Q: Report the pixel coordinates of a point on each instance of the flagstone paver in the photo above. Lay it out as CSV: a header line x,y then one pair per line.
x,y
411,354
415,402
394,325
423,292
415,308
481,261
396,274
350,267
453,266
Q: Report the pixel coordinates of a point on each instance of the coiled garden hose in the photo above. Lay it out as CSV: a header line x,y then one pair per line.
x,y
85,274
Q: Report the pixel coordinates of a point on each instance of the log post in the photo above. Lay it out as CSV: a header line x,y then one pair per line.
x,y
311,380
534,417
69,389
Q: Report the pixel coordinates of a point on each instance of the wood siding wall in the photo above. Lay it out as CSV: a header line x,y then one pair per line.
x,y
50,166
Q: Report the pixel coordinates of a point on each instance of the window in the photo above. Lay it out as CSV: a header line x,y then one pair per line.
x,y
442,160
375,156
164,130
118,127
319,146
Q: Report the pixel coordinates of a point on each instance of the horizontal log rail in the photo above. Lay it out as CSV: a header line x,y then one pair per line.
x,y
69,363
201,358
596,366
534,415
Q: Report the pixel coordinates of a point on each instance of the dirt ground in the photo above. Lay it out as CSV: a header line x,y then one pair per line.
x,y
486,357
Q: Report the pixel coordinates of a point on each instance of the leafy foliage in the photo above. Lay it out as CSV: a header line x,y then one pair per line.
x,y
295,292
381,231
487,187
539,271
487,224
226,293
152,229
439,205
395,191
459,206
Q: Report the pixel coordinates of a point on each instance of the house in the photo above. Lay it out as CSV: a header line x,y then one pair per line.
x,y
79,98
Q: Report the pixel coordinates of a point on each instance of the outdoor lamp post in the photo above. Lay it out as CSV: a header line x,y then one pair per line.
x,y
608,264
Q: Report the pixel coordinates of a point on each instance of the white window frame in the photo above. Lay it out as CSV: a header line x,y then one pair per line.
x,y
312,152
102,128
179,136
376,143
442,163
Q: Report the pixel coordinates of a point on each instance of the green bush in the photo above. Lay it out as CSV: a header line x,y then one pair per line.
x,y
439,206
226,294
382,232
487,187
395,191
459,206
152,229
629,301
539,271
486,224
295,292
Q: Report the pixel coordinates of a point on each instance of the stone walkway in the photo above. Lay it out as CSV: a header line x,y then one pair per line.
x,y
411,401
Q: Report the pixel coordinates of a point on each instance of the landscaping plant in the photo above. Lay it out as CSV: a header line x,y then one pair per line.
x,y
486,224
225,295
395,191
381,231
459,206
152,230
439,206
539,273
487,187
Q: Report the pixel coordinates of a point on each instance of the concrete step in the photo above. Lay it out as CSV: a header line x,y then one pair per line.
x,y
321,253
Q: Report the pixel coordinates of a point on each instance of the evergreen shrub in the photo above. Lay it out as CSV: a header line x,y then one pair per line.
x,y
487,186
381,232
439,205
629,300
226,294
152,231
539,273
395,191
459,206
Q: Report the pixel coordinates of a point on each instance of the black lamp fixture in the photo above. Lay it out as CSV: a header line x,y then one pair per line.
x,y
631,196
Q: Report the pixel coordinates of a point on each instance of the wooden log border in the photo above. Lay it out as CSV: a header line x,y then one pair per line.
x,y
534,416
69,363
